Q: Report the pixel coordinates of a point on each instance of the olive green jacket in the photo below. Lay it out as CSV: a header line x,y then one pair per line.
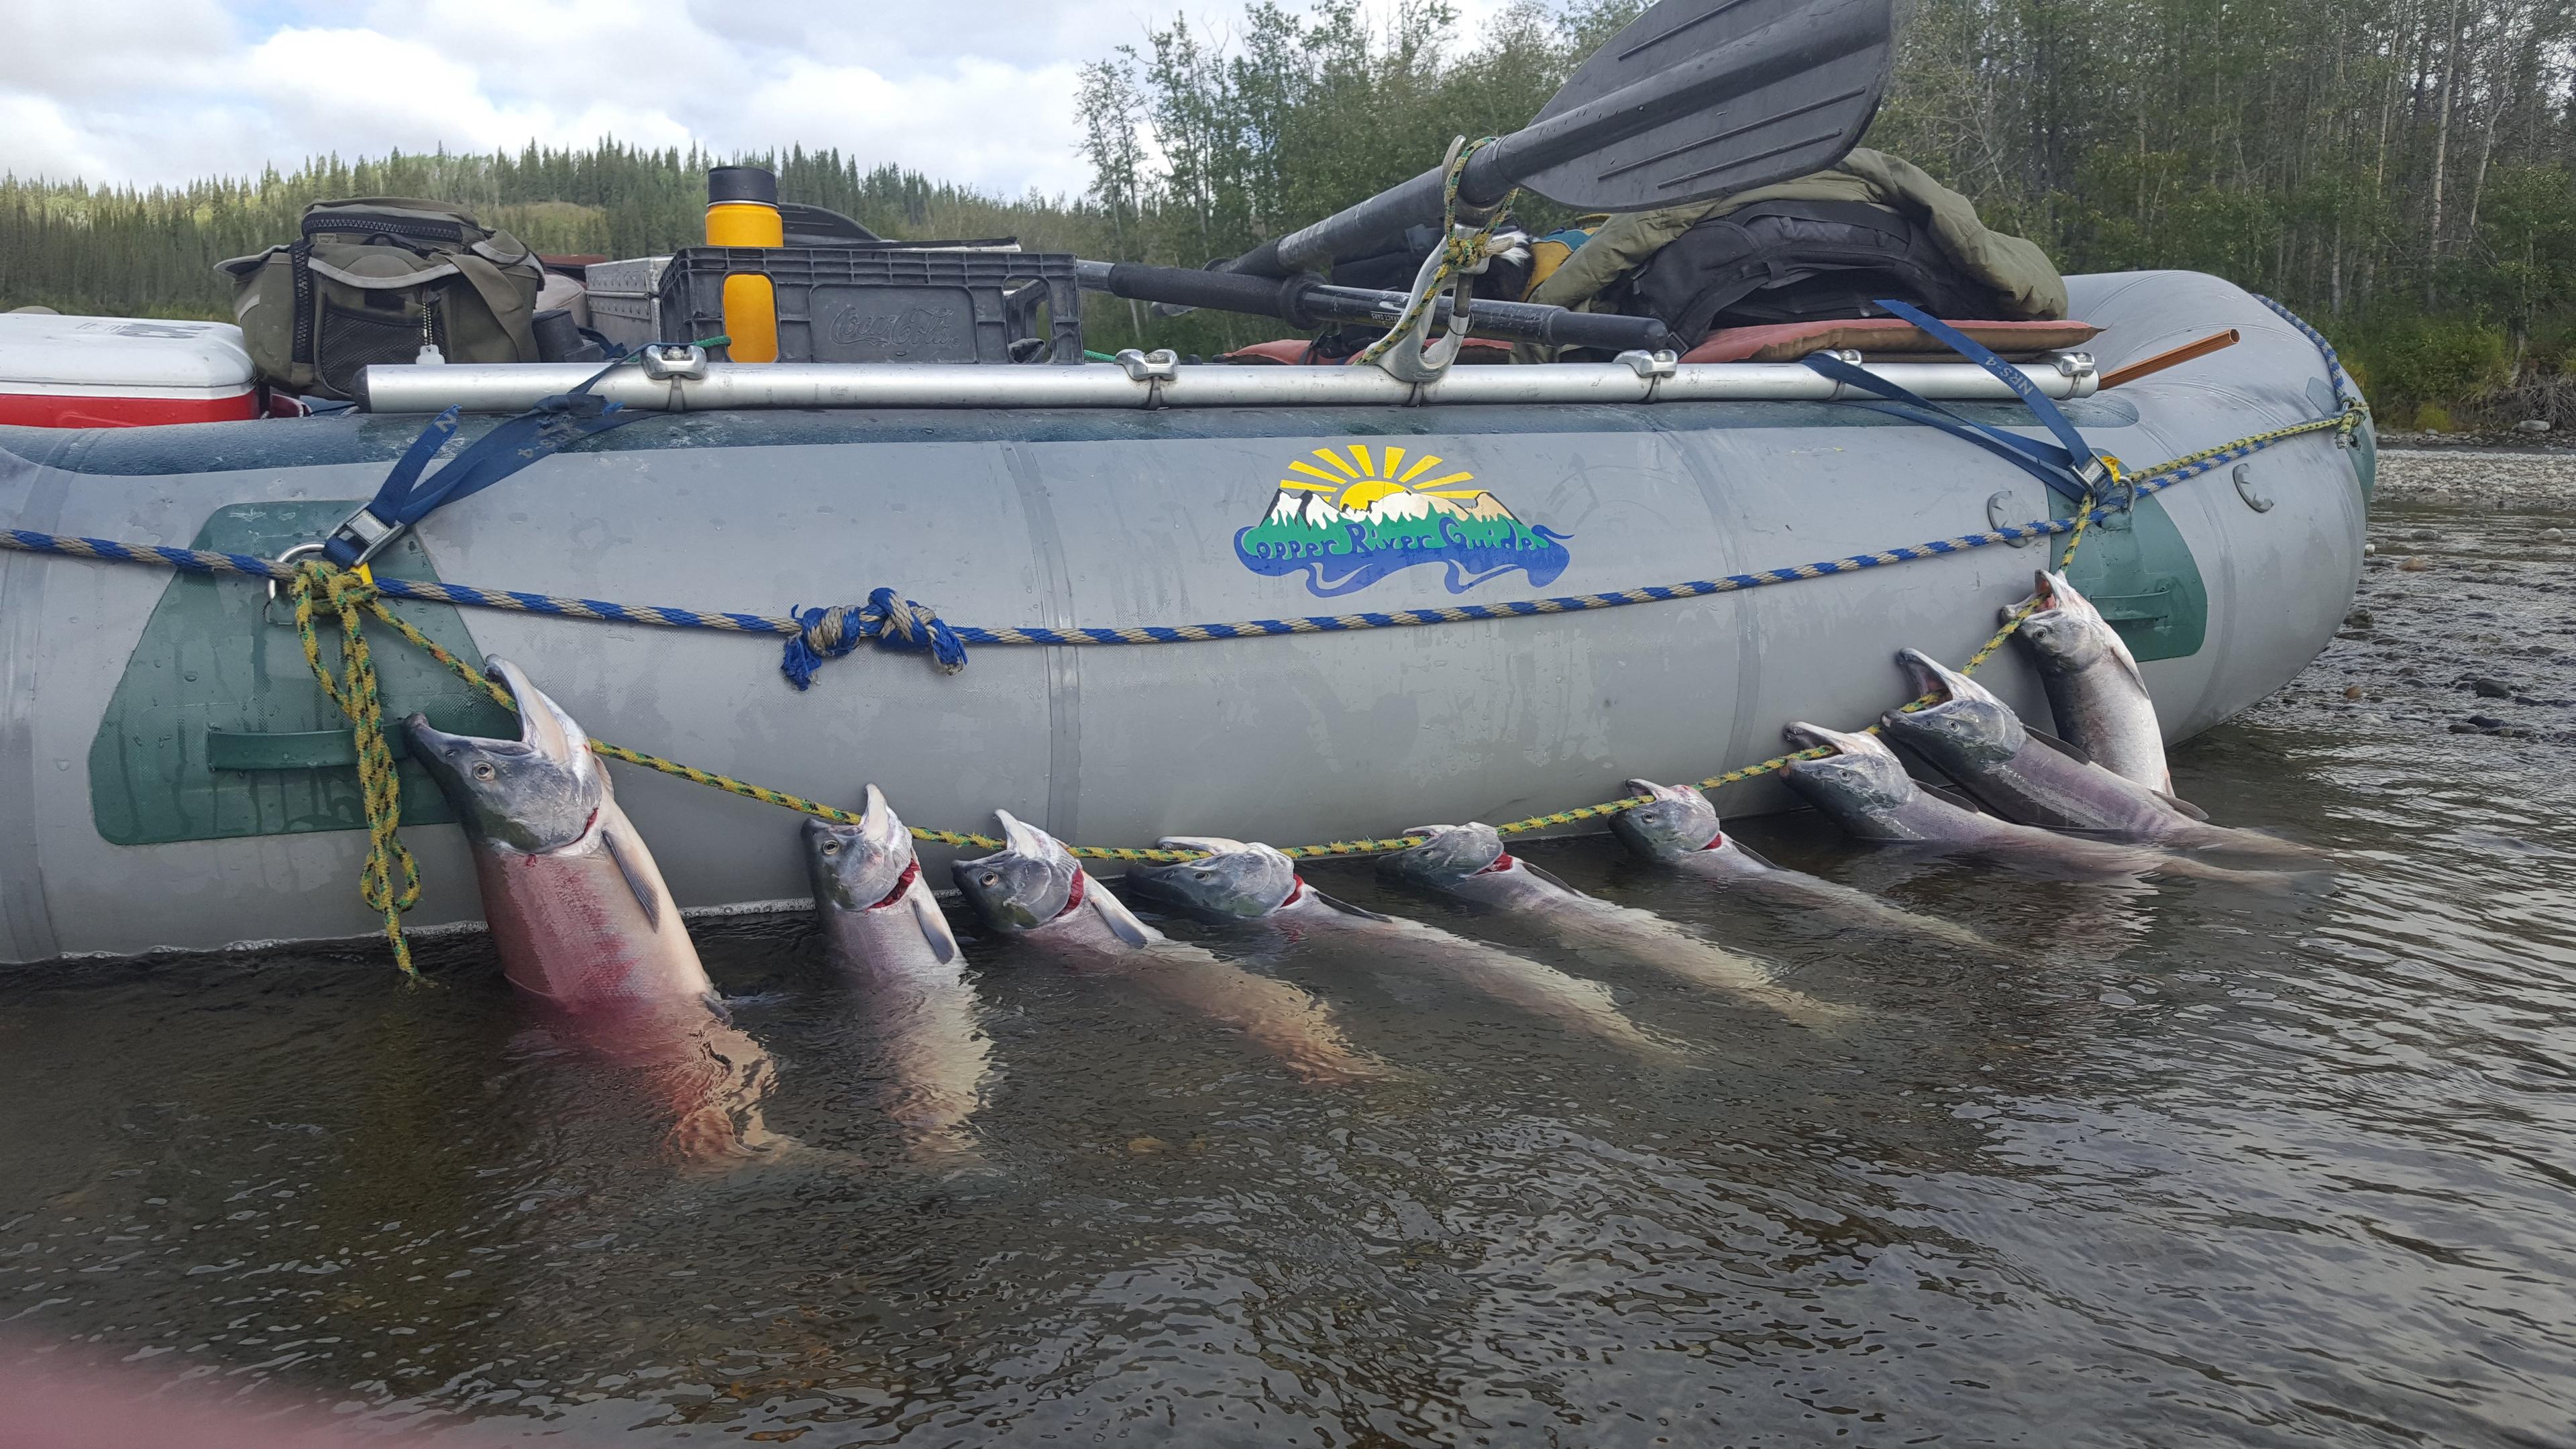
x,y
2015,268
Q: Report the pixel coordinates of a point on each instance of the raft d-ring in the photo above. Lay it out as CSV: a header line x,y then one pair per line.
x,y
301,550
307,550
1999,513
2126,514
2245,490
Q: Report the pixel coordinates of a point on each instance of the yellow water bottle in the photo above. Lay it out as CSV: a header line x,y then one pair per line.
x,y
742,211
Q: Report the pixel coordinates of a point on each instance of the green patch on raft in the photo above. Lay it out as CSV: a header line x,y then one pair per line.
x,y
218,730
2139,572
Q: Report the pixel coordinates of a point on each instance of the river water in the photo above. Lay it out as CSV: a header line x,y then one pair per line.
x,y
2192,1164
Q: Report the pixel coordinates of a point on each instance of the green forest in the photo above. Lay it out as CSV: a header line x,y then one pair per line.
x,y
2400,173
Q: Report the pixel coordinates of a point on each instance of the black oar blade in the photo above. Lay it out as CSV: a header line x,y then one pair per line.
x,y
1695,98
1757,91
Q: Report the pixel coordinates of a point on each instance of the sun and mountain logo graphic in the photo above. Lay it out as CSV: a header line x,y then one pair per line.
x,y
1364,514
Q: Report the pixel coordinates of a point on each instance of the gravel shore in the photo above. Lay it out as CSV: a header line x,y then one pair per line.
x,y
2493,479
2461,626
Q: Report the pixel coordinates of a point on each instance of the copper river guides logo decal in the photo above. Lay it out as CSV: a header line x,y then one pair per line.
x,y
1363,515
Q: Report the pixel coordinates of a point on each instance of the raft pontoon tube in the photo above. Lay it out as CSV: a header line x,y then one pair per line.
x,y
170,775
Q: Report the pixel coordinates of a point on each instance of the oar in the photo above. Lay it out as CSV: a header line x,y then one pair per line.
x,y
1307,301
1695,98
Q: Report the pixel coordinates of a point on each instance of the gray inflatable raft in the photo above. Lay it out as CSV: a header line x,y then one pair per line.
x,y
171,777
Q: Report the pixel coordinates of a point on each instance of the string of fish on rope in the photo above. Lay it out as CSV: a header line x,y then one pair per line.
x,y
351,592
580,915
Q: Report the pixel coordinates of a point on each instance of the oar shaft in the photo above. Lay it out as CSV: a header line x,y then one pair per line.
x,y
1307,303
1509,321
1352,229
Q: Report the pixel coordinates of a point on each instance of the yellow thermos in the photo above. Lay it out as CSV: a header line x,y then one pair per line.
x,y
742,211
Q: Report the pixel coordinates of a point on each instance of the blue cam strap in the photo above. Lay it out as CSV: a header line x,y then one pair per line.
x,y
2072,469
554,424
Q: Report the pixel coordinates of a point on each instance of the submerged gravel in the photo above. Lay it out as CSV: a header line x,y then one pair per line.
x,y
2462,621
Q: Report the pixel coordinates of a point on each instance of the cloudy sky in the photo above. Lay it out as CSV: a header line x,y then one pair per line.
x,y
147,91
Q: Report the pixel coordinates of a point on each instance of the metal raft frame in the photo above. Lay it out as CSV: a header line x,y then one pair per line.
x,y
681,379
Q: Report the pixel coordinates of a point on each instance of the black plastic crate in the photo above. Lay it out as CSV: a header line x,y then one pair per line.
x,y
895,304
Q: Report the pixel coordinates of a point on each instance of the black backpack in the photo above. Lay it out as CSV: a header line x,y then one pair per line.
x,y
1799,261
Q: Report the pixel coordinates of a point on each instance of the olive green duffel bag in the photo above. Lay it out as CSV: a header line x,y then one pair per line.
x,y
374,280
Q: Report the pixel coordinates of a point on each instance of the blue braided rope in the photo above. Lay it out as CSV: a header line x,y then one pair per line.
x,y
2346,394
186,560
894,622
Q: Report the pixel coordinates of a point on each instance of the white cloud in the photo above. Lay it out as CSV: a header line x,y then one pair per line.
x,y
167,91
67,47
36,137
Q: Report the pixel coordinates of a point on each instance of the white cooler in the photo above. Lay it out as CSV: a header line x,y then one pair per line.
x,y
121,372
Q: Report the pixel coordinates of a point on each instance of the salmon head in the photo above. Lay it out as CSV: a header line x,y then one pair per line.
x,y
864,866
539,793
869,891
577,908
1030,881
1447,855
1965,728
1033,882
2064,629
1244,881
1861,780
1675,821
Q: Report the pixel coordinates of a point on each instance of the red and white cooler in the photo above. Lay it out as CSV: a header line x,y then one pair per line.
x,y
121,372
